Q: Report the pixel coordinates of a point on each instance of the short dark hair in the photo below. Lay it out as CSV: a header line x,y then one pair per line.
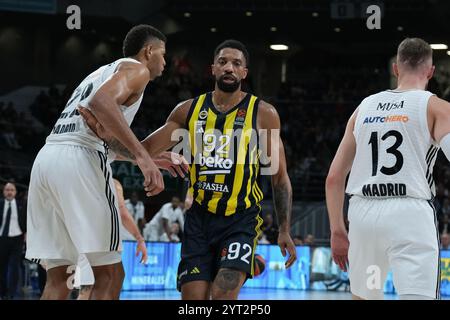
x,y
413,52
233,44
138,36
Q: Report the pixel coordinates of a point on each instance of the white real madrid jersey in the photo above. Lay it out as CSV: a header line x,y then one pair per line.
x,y
395,153
70,128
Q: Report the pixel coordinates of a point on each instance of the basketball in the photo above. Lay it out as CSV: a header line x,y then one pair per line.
x,y
260,265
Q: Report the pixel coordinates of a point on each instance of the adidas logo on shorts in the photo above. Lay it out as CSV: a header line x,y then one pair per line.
x,y
195,271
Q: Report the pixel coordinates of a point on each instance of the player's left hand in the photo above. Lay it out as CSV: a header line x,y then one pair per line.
x,y
142,248
285,243
175,163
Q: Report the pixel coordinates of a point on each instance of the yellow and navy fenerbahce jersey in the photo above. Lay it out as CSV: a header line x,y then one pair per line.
x,y
225,155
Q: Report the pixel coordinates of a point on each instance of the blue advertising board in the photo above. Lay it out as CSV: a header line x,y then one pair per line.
x,y
161,270
314,269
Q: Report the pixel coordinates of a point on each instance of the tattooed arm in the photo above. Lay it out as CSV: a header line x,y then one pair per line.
x,y
274,156
121,151
282,194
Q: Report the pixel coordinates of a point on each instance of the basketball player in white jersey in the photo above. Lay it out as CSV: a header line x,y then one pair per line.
x,y
72,207
389,148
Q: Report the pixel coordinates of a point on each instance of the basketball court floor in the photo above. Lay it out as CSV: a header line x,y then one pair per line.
x,y
253,294
246,294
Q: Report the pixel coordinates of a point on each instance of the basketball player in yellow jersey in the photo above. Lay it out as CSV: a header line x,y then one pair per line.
x,y
223,224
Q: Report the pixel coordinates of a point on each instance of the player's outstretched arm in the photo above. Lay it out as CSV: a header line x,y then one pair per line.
x,y
335,192
273,149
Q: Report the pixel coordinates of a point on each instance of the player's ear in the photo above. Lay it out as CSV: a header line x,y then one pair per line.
x,y
148,50
245,73
431,72
395,69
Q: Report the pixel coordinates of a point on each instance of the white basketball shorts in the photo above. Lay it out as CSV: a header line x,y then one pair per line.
x,y
396,234
72,207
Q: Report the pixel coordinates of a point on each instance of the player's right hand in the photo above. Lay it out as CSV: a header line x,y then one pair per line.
x,y
286,244
339,248
141,248
153,180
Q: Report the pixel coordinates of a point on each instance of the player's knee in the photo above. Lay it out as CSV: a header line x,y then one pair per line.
x,y
218,294
104,280
57,277
56,288
56,283
193,295
120,275
195,290
104,275
226,285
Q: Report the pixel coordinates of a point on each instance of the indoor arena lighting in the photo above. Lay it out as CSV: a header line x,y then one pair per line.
x,y
279,47
438,46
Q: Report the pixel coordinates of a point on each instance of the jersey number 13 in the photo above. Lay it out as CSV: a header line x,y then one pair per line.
x,y
393,149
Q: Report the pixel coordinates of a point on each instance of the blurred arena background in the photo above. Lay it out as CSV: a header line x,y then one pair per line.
x,y
331,63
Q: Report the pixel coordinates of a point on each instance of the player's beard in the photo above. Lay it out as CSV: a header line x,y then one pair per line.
x,y
228,87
